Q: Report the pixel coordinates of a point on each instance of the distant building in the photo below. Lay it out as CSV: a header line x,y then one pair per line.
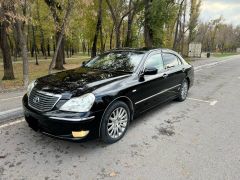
x,y
195,50
238,50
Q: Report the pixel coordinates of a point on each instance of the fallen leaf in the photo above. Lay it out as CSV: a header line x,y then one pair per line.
x,y
113,174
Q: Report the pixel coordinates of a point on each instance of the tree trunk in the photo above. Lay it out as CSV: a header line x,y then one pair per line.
x,y
176,36
183,28
31,49
84,48
128,42
101,40
118,35
123,35
67,49
148,32
7,61
48,48
117,22
111,37
60,52
23,46
59,55
98,28
34,45
63,49
43,49
11,45
17,43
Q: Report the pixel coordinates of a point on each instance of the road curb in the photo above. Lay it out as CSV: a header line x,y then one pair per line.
x,y
11,115
19,89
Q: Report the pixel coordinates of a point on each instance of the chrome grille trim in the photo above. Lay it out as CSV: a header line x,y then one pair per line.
x,y
47,100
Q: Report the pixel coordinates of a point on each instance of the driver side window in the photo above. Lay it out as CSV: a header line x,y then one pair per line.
x,y
170,60
155,61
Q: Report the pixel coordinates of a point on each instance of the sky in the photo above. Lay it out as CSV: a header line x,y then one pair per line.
x,y
229,9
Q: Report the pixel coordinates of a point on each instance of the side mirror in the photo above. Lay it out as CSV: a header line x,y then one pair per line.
x,y
150,71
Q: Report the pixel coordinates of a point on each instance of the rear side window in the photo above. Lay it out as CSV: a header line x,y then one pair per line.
x,y
155,61
170,60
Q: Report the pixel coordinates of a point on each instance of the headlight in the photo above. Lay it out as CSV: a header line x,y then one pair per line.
x,y
30,87
80,104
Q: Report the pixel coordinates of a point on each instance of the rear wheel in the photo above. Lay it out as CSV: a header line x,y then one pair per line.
x,y
183,91
115,122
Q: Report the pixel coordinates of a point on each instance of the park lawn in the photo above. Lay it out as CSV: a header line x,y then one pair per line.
x,y
218,55
35,71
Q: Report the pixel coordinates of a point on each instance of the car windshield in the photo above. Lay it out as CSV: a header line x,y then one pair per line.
x,y
117,61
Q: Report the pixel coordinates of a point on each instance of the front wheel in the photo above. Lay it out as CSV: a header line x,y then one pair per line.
x,y
183,91
115,122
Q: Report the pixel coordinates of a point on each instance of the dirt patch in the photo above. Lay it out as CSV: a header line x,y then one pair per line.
x,y
166,131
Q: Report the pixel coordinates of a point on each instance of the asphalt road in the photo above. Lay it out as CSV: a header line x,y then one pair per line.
x,y
196,139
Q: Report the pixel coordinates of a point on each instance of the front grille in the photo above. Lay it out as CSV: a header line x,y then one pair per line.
x,y
42,101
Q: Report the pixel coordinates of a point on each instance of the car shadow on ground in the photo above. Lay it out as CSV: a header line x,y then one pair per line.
x,y
151,112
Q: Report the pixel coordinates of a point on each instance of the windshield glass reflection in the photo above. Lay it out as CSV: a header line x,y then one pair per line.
x,y
117,61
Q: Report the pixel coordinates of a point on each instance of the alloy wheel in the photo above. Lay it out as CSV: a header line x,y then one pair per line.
x,y
117,122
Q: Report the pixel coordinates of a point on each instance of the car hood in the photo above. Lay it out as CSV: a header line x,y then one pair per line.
x,y
78,81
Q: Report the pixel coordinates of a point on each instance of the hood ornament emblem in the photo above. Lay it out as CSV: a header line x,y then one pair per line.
x,y
36,99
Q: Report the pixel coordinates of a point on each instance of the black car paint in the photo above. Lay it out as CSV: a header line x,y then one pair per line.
x,y
138,91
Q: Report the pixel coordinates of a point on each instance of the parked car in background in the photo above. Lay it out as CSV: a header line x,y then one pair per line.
x,y
102,97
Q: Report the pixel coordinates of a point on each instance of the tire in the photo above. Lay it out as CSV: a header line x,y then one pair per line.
x,y
183,91
115,122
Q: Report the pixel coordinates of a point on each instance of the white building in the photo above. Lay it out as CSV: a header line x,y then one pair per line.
x,y
195,50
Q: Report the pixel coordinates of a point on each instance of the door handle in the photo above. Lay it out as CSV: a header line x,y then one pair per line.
x,y
165,75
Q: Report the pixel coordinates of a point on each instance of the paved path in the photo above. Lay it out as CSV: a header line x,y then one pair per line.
x,y
196,139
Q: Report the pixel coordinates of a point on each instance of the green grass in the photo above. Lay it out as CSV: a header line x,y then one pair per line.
x,y
224,54
36,71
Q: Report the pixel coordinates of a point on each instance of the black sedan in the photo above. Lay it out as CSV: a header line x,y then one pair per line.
x,y
103,96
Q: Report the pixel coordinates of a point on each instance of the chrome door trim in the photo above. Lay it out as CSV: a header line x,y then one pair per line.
x,y
158,94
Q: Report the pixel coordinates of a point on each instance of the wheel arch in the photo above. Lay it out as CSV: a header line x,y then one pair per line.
x,y
124,99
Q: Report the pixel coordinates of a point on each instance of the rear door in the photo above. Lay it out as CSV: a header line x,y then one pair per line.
x,y
175,73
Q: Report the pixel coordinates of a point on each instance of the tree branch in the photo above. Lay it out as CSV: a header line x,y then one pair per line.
x,y
112,11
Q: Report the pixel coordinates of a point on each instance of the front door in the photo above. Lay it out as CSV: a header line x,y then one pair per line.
x,y
150,88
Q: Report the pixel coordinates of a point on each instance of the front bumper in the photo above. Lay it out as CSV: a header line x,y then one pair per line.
x,y
61,124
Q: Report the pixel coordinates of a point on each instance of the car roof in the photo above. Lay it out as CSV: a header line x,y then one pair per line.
x,y
143,50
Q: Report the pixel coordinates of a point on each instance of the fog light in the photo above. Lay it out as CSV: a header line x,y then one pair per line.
x,y
79,134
